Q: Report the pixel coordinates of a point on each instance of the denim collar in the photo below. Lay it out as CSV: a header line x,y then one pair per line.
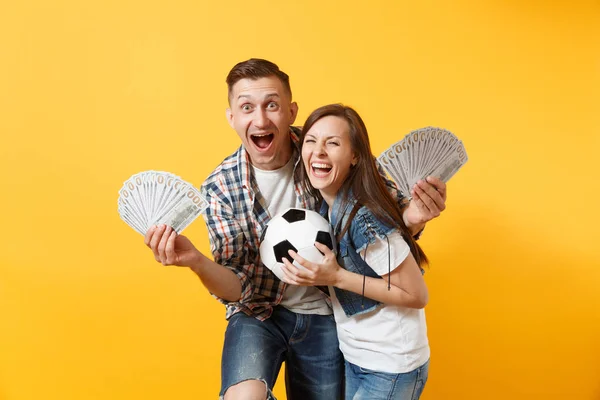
x,y
336,210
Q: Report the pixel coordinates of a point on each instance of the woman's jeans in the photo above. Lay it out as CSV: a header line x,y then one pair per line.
x,y
366,384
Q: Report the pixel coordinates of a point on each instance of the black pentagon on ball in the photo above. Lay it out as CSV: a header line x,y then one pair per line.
x,y
294,215
281,250
324,238
262,236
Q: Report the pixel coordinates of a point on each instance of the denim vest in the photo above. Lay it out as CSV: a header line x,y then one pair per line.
x,y
363,231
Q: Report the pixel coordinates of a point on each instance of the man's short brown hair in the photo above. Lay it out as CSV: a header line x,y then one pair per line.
x,y
256,68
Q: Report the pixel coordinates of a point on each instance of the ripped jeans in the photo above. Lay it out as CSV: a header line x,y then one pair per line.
x,y
307,343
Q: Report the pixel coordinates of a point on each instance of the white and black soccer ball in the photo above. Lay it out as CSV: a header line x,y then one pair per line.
x,y
296,229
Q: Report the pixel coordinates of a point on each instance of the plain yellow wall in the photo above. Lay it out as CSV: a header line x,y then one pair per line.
x,y
92,92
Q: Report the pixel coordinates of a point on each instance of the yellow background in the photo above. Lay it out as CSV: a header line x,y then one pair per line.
x,y
92,92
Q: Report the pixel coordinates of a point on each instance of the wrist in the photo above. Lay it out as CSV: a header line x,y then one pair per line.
x,y
416,229
339,277
198,263
413,227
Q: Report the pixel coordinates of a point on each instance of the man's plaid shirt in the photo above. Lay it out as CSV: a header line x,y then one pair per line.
x,y
235,218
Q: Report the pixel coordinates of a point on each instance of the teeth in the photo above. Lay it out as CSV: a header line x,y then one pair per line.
x,y
262,135
319,165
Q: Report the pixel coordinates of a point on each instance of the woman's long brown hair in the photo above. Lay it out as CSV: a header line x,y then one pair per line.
x,y
364,180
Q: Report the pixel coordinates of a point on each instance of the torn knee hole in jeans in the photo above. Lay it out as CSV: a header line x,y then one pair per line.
x,y
268,394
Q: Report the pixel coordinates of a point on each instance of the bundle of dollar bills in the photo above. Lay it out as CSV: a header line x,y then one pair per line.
x,y
155,197
424,152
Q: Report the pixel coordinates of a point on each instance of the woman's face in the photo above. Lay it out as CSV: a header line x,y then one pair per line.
x,y
327,155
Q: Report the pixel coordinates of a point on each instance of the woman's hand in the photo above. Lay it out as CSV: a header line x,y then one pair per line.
x,y
428,202
327,272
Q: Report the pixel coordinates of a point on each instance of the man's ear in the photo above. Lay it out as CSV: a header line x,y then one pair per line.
x,y
294,112
229,116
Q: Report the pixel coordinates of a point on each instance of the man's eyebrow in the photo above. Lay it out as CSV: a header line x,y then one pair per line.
x,y
267,96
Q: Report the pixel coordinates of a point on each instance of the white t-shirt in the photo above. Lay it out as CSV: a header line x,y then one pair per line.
x,y
277,188
389,338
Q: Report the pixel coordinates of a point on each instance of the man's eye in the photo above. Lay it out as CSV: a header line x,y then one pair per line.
x,y
272,105
246,107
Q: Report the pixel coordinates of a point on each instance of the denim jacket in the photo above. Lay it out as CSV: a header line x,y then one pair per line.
x,y
363,231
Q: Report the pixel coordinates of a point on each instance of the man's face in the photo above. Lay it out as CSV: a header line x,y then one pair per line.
x,y
261,113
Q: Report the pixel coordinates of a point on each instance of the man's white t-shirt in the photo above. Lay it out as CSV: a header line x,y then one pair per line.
x,y
277,188
389,339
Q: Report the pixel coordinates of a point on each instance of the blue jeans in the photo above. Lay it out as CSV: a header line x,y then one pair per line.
x,y
307,343
366,384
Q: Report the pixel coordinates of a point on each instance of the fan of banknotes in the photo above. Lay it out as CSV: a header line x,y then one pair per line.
x,y
424,152
156,197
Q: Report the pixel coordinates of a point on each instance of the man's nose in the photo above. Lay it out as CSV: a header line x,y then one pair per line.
x,y
260,118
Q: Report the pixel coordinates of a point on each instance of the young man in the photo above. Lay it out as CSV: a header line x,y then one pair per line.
x,y
269,321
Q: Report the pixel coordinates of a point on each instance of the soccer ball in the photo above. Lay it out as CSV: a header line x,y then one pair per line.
x,y
295,229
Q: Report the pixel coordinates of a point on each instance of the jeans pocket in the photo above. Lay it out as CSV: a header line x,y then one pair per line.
x,y
381,375
423,374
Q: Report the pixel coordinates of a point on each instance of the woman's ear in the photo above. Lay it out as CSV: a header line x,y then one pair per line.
x,y
354,160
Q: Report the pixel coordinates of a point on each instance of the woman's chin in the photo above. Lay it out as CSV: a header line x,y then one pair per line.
x,y
318,184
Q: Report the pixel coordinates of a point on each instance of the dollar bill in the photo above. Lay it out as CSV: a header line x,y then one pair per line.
x,y
157,197
421,153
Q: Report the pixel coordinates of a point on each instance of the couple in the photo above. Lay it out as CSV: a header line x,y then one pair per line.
x,y
380,322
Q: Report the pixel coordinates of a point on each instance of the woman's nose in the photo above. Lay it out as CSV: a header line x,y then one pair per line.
x,y
319,148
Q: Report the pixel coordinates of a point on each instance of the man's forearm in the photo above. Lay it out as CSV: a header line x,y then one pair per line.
x,y
220,281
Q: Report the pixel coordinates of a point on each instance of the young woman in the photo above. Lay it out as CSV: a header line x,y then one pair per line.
x,y
376,281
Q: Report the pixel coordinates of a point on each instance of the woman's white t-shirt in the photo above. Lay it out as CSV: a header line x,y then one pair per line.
x,y
389,338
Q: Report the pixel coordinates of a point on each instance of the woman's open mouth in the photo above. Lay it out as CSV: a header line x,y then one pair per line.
x,y
320,169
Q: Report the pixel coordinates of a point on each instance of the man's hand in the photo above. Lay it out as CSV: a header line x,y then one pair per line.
x,y
169,248
428,201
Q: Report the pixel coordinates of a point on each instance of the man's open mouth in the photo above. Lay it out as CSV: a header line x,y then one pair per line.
x,y
262,141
